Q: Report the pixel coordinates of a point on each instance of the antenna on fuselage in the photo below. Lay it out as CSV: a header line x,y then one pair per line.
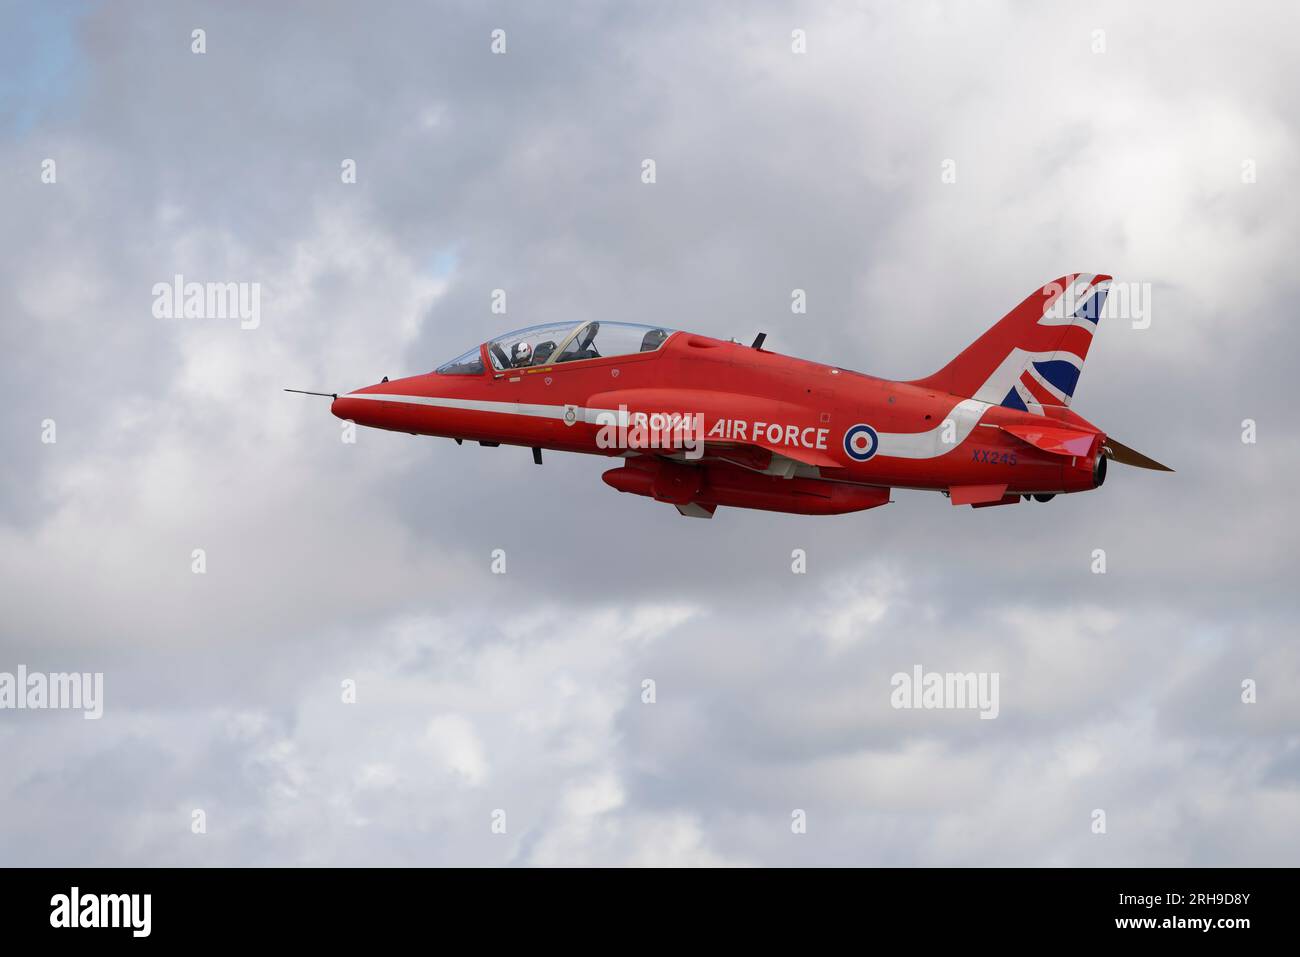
x,y
759,340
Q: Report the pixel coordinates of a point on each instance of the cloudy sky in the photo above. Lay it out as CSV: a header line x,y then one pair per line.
x,y
1162,150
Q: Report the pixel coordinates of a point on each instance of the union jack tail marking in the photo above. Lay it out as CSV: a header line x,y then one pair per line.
x,y
1032,358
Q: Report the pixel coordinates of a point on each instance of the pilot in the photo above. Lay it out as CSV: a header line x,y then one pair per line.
x,y
521,355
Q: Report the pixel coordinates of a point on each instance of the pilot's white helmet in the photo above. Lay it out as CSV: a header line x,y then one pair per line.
x,y
522,353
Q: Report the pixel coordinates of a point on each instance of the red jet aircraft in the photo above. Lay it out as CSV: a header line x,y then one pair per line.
x,y
701,422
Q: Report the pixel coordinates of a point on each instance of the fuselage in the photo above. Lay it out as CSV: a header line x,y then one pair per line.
x,y
777,417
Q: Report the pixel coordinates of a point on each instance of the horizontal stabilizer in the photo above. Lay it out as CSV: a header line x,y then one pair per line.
x,y
1122,454
1053,438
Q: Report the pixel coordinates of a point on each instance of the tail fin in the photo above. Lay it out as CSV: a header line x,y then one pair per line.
x,y
1033,356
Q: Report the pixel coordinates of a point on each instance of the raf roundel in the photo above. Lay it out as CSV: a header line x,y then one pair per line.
x,y
861,442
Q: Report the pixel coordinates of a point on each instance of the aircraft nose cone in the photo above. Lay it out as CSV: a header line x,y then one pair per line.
x,y
345,408
366,406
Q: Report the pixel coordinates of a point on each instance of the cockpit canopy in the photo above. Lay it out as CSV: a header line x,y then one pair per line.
x,y
558,342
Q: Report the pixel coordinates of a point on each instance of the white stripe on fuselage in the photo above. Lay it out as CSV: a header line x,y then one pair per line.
x,y
965,415
469,405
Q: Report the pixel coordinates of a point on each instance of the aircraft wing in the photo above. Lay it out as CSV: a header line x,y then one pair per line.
x,y
771,459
